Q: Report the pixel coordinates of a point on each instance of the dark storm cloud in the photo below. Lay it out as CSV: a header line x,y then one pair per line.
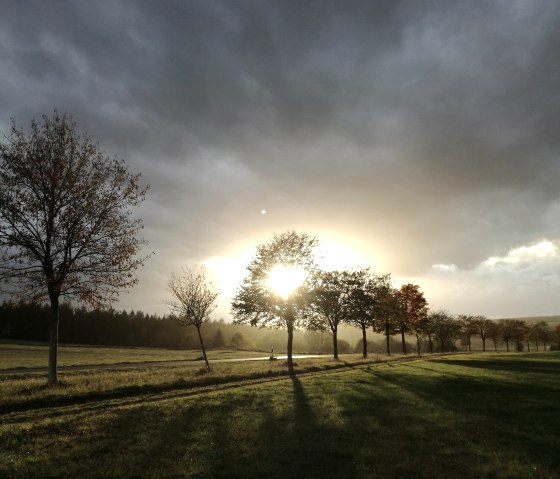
x,y
428,124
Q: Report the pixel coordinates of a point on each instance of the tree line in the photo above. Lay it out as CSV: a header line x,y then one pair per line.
x,y
326,299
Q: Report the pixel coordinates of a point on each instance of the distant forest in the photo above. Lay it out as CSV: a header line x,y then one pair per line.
x,y
29,322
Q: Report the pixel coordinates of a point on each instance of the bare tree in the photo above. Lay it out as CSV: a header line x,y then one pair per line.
x,y
193,299
66,228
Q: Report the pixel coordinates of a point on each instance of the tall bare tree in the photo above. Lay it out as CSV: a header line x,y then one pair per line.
x,y
66,228
258,303
193,299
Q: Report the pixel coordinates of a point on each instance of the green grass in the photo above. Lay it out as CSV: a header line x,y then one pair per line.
x,y
29,356
464,416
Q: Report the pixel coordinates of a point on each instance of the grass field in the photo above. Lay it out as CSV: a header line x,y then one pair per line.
x,y
463,416
28,356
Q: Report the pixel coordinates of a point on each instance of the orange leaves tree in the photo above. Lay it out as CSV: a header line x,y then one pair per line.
x,y
66,227
413,308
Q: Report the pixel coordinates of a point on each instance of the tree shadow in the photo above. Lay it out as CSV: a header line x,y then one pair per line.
x,y
269,430
371,422
520,365
510,418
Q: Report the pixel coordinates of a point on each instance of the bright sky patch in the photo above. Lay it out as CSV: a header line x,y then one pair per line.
x,y
544,249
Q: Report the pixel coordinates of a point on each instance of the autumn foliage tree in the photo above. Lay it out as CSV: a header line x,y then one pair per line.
x,y
66,226
193,299
413,307
258,303
390,312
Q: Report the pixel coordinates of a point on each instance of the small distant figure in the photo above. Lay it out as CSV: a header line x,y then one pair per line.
x,y
272,358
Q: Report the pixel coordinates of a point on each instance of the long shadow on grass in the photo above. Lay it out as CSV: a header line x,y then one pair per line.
x,y
298,441
527,365
509,418
269,430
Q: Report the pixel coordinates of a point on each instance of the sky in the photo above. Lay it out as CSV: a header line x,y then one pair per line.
x,y
419,138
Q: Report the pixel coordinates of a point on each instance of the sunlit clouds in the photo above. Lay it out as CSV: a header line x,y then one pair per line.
x,y
415,138
444,267
523,275
525,254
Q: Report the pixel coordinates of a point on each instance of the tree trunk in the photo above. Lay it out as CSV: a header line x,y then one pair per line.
x,y
418,343
528,347
364,342
202,347
335,342
387,338
469,341
53,340
537,345
495,346
483,345
507,345
431,344
403,341
290,326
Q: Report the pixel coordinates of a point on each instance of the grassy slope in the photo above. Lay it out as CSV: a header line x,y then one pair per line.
x,y
492,415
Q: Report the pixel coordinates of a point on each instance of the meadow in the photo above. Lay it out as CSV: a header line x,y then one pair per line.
x,y
36,355
466,416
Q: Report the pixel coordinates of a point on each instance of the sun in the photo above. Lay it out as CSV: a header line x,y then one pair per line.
x,y
284,279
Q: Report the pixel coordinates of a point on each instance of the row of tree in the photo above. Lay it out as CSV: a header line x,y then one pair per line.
x,y
326,299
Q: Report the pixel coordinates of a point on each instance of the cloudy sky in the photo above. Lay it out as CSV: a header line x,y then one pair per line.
x,y
421,138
